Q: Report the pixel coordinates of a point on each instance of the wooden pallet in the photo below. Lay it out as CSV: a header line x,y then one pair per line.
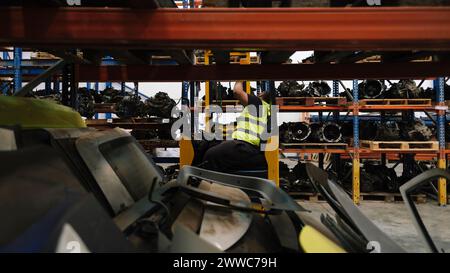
x,y
413,146
396,102
314,146
391,197
310,101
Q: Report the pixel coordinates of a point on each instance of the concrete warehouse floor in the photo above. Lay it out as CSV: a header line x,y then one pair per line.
x,y
395,220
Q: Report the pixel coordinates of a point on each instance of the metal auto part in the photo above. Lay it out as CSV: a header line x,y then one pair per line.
x,y
331,132
371,89
415,131
363,224
408,188
130,106
223,227
273,197
290,89
160,105
318,89
316,132
139,169
294,132
404,89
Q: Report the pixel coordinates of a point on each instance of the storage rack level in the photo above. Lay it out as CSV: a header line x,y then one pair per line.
x,y
432,150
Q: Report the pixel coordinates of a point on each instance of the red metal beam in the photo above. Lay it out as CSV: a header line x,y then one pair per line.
x,y
179,73
276,28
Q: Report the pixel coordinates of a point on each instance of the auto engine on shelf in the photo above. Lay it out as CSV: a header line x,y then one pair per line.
x,y
371,89
298,132
317,89
160,105
108,95
295,89
404,89
384,178
130,106
373,177
415,130
290,89
328,132
294,132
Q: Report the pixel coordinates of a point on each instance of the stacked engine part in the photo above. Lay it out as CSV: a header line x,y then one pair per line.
x,y
415,130
298,132
290,89
317,89
374,177
294,89
160,105
404,89
86,102
371,89
108,95
130,106
295,179
294,132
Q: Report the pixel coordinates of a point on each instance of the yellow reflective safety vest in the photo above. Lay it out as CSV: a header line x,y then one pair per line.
x,y
250,127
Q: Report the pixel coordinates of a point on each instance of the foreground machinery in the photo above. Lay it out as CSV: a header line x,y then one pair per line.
x,y
67,183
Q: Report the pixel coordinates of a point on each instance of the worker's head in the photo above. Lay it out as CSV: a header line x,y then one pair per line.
x,y
265,96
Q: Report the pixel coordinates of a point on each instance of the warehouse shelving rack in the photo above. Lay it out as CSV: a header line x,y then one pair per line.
x,y
421,29
356,152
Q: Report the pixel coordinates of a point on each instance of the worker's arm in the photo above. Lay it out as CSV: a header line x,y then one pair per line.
x,y
240,94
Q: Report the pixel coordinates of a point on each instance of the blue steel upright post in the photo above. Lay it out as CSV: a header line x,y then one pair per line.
x,y
439,86
96,92
336,157
108,85
17,69
356,162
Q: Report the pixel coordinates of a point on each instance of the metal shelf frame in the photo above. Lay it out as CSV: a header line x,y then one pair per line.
x,y
290,30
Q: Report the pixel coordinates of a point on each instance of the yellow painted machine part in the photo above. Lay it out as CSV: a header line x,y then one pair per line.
x,y
207,97
272,158
37,113
356,180
186,152
442,184
312,241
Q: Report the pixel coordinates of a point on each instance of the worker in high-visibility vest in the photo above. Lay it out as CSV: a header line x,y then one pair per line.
x,y
244,151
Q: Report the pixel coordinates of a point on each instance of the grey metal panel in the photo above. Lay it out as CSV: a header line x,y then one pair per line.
x,y
367,227
110,184
407,188
221,226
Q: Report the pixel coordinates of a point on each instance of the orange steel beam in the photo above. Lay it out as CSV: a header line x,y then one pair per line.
x,y
176,73
396,28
